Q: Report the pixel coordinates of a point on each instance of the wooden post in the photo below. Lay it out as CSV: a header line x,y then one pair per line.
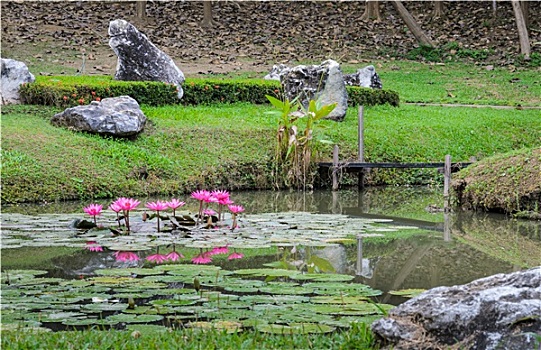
x,y
335,168
359,267
446,182
446,227
360,175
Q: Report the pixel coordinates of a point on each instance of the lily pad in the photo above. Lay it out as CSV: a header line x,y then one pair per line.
x,y
295,328
134,318
407,293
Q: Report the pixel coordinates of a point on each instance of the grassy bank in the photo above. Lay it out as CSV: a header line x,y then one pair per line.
x,y
231,146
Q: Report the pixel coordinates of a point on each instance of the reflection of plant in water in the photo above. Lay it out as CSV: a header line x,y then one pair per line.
x,y
126,256
93,246
310,263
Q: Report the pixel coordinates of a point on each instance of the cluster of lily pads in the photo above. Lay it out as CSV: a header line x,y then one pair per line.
x,y
172,296
206,218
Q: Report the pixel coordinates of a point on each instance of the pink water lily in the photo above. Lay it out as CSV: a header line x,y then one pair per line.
x,y
174,256
157,258
126,256
235,255
235,209
117,209
175,204
93,210
157,206
223,199
201,196
126,205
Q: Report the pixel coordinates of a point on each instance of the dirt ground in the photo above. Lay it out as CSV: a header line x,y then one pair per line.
x,y
251,36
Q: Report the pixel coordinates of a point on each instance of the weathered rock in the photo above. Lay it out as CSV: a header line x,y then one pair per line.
x,y
498,312
364,77
276,72
139,59
14,73
323,83
115,116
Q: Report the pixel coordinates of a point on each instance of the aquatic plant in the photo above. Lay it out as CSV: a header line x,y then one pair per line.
x,y
126,205
157,206
235,210
93,210
175,204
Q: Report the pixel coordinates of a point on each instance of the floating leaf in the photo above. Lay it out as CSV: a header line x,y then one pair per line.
x,y
134,318
407,293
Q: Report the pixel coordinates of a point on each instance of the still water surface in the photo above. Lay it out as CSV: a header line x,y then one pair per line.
x,y
450,249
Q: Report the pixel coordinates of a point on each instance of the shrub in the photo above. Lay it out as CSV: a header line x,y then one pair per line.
x,y
69,91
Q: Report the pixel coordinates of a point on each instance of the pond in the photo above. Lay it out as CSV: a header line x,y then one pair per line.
x,y
298,262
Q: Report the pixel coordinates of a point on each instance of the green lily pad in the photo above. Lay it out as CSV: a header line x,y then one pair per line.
x,y
267,272
99,307
295,328
227,326
407,293
134,318
322,277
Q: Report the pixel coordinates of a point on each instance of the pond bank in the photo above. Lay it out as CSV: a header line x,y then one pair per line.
x,y
508,183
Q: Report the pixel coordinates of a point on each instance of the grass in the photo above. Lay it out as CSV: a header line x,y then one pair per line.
x,y
358,337
231,146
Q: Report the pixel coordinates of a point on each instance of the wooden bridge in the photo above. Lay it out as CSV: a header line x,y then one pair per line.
x,y
360,165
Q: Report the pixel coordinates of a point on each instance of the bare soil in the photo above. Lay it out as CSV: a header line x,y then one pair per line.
x,y
251,36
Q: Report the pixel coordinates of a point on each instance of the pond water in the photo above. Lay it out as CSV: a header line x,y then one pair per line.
x,y
394,240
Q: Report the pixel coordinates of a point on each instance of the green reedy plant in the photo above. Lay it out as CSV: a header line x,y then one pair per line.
x,y
295,148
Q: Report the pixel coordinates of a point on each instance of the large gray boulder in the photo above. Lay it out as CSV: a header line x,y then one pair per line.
x,y
323,83
115,116
497,312
139,59
364,77
14,73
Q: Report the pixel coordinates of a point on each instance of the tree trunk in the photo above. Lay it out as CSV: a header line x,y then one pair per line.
x,y
207,15
522,30
413,26
371,12
526,11
438,8
140,10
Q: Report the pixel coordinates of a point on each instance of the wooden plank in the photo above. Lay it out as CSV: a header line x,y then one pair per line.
x,y
395,165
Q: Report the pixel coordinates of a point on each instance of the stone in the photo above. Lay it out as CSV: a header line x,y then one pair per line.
x,y
14,73
276,72
497,312
323,83
114,116
139,59
364,77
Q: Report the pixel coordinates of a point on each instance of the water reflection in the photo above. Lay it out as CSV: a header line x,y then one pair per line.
x,y
454,248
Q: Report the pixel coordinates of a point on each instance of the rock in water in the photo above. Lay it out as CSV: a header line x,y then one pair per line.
x,y
323,83
14,73
364,77
497,312
115,116
139,59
